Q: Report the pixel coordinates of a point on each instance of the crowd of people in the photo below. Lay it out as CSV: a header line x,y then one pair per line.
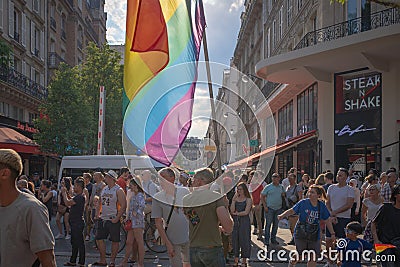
x,y
203,221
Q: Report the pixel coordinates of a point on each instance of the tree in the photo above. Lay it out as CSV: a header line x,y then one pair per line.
x,y
79,87
102,68
63,116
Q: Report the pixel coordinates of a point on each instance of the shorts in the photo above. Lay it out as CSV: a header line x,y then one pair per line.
x,y
181,254
106,228
339,228
302,245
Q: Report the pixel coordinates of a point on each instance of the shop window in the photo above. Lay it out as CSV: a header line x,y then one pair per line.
x,y
285,123
307,106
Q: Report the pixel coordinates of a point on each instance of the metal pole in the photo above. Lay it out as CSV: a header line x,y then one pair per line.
x,y
210,90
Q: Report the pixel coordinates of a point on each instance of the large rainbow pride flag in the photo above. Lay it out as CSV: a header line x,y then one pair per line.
x,y
163,39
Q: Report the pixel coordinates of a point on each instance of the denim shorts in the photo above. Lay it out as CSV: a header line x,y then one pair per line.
x,y
207,257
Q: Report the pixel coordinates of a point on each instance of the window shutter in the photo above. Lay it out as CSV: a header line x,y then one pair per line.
x,y
41,45
32,37
41,79
32,73
11,20
1,14
23,70
23,30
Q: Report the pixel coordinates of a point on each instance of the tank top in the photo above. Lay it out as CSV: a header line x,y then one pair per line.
x,y
109,201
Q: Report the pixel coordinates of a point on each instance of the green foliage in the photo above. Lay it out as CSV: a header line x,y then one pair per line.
x,y
5,54
73,105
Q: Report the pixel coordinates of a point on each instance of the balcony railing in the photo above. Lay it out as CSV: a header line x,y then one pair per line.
x,y
53,23
54,60
16,37
374,21
22,83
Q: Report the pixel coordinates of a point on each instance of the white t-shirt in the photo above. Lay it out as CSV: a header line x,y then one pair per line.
x,y
372,208
338,198
178,227
24,231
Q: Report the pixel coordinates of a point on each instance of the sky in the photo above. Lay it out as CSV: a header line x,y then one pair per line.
x,y
223,23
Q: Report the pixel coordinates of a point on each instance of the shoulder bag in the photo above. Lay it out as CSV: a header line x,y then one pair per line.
x,y
308,231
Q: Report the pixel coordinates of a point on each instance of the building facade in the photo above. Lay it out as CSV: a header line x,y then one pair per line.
x,y
40,34
329,77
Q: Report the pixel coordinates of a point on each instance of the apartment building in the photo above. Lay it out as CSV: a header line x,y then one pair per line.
x,y
40,34
311,56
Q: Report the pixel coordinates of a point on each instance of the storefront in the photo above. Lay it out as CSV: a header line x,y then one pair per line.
x,y
358,120
18,136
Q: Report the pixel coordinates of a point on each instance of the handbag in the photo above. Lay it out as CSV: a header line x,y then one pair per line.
x,y
128,225
307,231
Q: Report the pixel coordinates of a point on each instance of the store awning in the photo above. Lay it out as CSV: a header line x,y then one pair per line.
x,y
10,138
278,148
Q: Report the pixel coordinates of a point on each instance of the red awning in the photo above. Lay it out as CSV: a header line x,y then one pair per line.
x,y
10,138
278,148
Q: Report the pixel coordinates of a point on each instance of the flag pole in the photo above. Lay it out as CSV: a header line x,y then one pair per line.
x,y
210,91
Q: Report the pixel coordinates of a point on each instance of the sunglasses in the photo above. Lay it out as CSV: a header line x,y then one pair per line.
x,y
349,231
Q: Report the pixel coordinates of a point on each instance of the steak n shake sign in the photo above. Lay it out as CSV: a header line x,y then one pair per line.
x,y
358,108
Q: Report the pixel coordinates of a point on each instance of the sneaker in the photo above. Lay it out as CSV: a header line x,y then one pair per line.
x,y
59,236
67,237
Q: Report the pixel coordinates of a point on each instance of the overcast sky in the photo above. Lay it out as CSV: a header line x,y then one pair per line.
x,y
223,23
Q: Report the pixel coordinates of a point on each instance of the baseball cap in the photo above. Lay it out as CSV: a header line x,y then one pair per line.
x,y
112,174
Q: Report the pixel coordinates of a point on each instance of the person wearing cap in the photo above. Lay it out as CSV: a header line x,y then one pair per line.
x,y
112,206
206,211
24,224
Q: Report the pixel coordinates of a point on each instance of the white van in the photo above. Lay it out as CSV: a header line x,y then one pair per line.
x,y
74,166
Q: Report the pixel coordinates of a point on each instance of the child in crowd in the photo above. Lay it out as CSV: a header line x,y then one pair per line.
x,y
351,248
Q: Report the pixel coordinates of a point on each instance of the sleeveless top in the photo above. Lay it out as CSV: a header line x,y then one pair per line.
x,y
109,201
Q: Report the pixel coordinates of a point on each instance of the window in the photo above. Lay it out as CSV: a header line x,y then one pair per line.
x,y
300,4
281,22
35,5
307,106
289,12
273,34
32,117
285,122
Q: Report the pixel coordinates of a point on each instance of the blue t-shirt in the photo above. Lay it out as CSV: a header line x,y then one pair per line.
x,y
308,213
274,195
350,259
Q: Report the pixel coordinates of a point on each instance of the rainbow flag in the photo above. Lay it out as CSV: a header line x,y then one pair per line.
x,y
163,39
382,247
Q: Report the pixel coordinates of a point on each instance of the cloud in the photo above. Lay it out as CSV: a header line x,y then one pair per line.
x,y
236,6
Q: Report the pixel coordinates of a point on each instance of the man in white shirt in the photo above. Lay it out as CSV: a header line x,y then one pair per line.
x,y
167,205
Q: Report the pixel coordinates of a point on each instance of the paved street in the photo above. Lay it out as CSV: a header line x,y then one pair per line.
x,y
63,249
